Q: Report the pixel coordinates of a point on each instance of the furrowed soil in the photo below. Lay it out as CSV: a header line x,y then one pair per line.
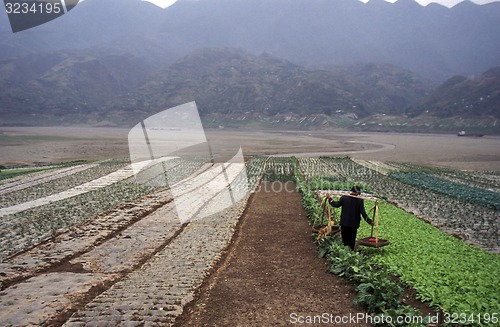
x,y
271,274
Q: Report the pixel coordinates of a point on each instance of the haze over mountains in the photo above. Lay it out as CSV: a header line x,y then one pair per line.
x,y
110,61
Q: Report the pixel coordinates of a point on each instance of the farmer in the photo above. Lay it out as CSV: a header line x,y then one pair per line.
x,y
352,210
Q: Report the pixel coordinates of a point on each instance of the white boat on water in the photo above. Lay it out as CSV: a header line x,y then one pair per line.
x,y
462,133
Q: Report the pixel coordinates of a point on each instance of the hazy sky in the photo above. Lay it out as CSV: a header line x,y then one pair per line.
x,y
448,3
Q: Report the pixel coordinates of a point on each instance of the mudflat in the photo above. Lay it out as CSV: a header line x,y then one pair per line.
x,y
28,146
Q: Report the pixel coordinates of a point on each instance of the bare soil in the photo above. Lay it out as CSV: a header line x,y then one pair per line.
x,y
28,146
25,146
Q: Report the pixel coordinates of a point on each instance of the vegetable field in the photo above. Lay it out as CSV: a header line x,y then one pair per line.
x,y
442,223
25,228
456,213
458,278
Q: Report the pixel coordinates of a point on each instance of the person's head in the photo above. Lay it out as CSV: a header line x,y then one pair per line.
x,y
356,190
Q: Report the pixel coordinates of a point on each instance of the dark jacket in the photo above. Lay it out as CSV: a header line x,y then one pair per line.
x,y
352,210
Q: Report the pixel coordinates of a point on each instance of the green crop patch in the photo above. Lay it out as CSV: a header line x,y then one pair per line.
x,y
445,271
11,173
459,191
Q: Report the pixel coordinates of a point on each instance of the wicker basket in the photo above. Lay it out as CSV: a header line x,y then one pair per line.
x,y
373,242
335,228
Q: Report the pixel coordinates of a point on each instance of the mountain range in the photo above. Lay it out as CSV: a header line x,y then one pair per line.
x,y
110,61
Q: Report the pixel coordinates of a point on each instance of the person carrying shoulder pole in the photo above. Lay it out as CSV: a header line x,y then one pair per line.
x,y
353,208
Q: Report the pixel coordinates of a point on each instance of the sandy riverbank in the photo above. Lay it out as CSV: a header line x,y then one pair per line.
x,y
43,145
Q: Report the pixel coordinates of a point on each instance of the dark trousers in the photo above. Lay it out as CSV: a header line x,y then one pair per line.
x,y
348,236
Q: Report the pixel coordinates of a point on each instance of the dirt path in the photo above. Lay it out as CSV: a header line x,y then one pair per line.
x,y
271,275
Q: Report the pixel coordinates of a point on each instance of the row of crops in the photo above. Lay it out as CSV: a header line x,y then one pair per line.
x,y
450,275
61,184
460,191
26,228
485,180
13,174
